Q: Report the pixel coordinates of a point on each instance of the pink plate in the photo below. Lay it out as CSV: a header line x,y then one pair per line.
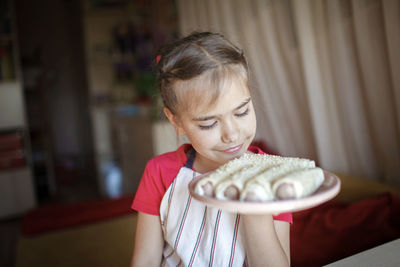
x,y
328,190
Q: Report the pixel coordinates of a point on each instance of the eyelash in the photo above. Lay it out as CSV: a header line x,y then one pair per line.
x,y
243,113
207,127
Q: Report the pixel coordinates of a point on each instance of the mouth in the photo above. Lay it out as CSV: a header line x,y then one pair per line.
x,y
233,149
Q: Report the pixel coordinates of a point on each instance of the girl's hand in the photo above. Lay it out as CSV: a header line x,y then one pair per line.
x,y
267,241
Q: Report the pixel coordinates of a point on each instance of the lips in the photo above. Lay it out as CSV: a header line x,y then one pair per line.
x,y
234,149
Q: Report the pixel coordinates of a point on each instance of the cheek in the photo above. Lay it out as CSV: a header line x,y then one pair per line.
x,y
207,139
251,124
201,139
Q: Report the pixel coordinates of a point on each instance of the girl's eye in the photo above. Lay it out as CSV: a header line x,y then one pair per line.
x,y
206,127
243,113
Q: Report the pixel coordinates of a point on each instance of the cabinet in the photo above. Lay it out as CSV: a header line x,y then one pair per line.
x,y
16,185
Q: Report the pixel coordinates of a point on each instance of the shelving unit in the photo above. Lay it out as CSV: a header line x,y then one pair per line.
x,y
16,185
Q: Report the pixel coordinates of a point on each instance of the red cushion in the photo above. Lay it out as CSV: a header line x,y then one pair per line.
x,y
337,230
264,147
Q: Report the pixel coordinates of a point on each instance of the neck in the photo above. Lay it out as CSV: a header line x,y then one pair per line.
x,y
201,165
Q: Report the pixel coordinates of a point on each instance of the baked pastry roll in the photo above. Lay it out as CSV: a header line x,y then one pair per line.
x,y
259,188
255,177
298,184
227,182
205,187
231,188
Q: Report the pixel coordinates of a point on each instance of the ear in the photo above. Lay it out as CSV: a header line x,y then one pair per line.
x,y
174,120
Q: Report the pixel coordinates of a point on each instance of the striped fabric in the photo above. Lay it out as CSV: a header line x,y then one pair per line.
x,y
197,235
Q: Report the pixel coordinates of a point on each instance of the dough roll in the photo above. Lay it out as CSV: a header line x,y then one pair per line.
x,y
259,187
298,184
206,186
230,189
250,178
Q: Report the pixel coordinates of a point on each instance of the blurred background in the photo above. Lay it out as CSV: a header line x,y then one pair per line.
x,y
80,115
78,103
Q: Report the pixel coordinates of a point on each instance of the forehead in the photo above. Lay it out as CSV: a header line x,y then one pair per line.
x,y
208,90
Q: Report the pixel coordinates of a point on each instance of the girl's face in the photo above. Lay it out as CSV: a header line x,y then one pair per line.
x,y
221,132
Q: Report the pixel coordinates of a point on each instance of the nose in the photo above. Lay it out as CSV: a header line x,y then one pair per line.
x,y
230,132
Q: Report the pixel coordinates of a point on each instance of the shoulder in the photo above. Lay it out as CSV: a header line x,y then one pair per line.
x,y
166,166
173,159
159,173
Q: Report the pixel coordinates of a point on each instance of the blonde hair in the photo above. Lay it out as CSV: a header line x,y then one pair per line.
x,y
202,60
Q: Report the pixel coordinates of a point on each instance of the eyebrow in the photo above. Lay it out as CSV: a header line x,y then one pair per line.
x,y
206,118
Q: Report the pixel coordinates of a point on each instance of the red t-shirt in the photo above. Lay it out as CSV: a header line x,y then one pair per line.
x,y
159,174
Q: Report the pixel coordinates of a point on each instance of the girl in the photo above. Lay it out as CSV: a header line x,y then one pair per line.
x,y
203,79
